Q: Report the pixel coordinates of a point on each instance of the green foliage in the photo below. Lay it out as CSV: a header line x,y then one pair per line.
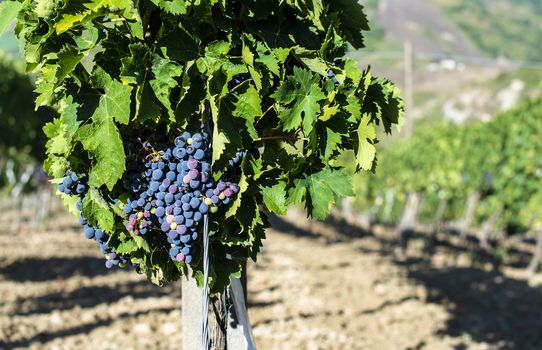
x,y
498,159
114,66
19,124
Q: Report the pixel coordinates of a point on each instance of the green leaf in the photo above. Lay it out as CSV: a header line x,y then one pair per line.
x,y
68,116
70,202
219,137
70,21
352,21
57,147
55,131
333,141
324,189
127,247
243,186
164,81
8,12
101,138
297,193
142,243
115,102
248,107
175,7
275,198
299,96
366,150
97,211
46,85
268,60
248,58
68,58
218,49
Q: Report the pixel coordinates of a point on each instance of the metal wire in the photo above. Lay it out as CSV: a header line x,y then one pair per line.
x,y
206,339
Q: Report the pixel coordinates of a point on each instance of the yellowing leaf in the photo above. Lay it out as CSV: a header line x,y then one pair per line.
x,y
366,150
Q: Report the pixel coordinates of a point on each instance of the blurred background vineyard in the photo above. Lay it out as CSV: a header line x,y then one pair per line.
x,y
452,214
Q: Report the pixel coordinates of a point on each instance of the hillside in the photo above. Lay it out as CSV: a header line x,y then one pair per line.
x,y
461,58
493,28
499,28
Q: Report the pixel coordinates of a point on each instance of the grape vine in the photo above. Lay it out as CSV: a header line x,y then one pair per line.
x,y
498,160
170,110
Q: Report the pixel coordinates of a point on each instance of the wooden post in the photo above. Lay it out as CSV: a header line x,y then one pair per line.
x,y
488,227
408,219
239,332
218,325
537,256
390,200
192,315
466,222
437,219
229,328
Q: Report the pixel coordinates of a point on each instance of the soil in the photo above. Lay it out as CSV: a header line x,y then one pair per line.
x,y
315,286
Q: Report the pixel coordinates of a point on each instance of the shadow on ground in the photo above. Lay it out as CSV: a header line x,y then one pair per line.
x,y
59,269
81,329
61,298
88,297
486,305
483,303
47,269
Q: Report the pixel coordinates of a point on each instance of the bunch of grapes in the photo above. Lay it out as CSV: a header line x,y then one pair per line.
x,y
332,76
74,184
114,259
169,189
172,189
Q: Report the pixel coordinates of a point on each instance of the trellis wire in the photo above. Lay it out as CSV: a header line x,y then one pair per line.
x,y
205,340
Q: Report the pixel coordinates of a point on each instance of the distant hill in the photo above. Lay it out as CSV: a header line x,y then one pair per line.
x,y
506,28
494,28
455,44
421,23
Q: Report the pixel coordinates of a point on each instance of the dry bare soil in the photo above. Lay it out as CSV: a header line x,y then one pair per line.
x,y
336,287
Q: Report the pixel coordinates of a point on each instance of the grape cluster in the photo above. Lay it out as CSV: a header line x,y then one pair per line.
x,y
114,259
236,161
332,76
74,184
172,189
169,189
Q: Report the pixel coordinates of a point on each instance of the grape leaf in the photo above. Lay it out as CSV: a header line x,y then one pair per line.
x,y
45,85
97,211
324,189
126,247
299,96
248,107
275,198
175,7
142,243
8,12
366,150
164,81
102,138
243,186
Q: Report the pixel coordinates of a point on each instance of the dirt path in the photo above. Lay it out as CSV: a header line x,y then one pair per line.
x,y
308,291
